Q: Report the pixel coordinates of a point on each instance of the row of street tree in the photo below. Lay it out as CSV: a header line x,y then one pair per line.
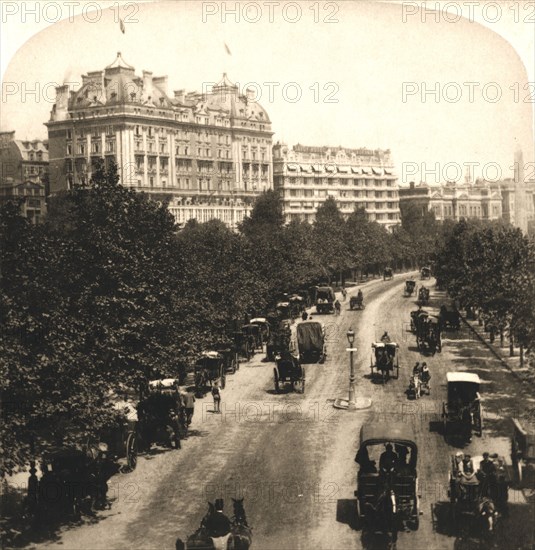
x,y
107,294
490,267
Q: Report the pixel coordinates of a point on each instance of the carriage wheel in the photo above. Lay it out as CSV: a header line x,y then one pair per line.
x,y
303,380
397,372
276,379
131,451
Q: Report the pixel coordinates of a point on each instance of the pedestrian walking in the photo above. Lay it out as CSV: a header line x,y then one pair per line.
x,y
337,307
344,294
216,394
304,316
189,405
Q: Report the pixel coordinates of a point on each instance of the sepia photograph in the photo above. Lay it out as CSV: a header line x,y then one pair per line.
x,y
267,275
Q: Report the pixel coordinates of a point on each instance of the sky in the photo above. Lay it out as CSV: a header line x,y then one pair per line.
x,y
439,90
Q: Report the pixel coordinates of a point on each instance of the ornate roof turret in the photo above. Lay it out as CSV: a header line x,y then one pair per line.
x,y
224,84
120,63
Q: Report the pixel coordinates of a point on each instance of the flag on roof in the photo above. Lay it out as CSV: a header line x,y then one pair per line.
x,y
121,25
227,49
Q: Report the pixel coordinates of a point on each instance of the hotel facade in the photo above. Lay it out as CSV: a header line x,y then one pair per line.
x,y
356,178
207,154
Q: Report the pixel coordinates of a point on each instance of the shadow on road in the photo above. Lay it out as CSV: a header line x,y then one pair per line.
x,y
346,512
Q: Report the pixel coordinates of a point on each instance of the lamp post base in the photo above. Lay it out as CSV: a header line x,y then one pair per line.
x,y
359,404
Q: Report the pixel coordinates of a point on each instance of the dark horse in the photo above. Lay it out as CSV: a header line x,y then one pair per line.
x,y
383,517
240,535
241,532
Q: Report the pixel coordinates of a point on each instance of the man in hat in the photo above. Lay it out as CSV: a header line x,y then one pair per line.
x,y
218,524
388,459
488,475
468,465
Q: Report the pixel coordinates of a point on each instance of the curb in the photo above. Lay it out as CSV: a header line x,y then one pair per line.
x,y
494,352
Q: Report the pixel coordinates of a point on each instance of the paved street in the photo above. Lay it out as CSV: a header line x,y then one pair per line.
x,y
292,456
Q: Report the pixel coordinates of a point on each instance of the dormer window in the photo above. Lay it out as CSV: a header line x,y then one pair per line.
x,y
114,95
132,96
161,100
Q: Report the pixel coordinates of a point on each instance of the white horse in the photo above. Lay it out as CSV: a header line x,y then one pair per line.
x,y
415,386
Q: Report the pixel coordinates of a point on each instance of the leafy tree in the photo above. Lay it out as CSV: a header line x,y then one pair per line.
x,y
329,243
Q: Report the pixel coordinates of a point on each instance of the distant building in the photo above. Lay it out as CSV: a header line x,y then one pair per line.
x,y
209,154
22,160
33,205
454,201
356,178
518,208
415,195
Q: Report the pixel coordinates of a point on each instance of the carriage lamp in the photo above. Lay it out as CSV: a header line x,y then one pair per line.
x,y
350,337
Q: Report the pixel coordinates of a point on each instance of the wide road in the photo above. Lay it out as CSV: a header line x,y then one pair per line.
x,y
292,456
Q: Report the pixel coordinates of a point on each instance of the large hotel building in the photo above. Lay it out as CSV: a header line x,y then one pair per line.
x,y
356,178
209,154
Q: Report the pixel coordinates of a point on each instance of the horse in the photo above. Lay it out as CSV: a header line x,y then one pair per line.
x,y
487,514
384,516
415,386
241,532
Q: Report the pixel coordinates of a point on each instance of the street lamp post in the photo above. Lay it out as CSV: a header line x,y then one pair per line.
x,y
351,339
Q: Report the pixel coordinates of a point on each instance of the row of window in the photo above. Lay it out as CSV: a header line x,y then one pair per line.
x,y
332,181
355,193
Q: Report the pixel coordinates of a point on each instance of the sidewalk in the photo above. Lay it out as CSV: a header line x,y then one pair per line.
x,y
525,373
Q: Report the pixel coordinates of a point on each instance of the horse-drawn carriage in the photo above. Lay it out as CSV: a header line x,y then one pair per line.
x,y
428,333
297,305
385,360
325,299
387,487
423,296
418,316
477,492
159,412
410,287
252,333
523,454
289,371
264,327
462,413
73,482
425,272
283,309
449,318
279,339
387,273
209,370
311,342
356,302
245,342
